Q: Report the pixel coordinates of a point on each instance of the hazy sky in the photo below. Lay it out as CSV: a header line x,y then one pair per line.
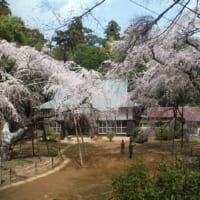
x,y
46,15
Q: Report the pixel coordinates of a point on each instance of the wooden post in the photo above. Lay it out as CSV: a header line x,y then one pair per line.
x,y
59,150
32,142
0,172
51,161
35,165
10,175
38,143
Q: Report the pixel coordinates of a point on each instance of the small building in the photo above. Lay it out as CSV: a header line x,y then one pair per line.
x,y
156,116
110,114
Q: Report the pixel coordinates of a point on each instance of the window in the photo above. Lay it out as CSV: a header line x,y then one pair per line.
x,y
118,127
56,127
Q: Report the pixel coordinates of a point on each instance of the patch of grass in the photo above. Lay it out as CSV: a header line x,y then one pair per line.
x,y
17,162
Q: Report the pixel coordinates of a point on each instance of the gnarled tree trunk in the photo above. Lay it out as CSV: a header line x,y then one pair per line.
x,y
8,139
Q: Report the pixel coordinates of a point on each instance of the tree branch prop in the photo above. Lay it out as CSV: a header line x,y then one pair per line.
x,y
82,15
92,8
174,22
165,11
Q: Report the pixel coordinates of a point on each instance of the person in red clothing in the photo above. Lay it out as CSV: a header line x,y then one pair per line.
x,y
122,147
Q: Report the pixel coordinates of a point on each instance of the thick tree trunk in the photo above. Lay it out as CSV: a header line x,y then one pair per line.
x,y
64,131
44,134
9,139
93,125
182,125
32,141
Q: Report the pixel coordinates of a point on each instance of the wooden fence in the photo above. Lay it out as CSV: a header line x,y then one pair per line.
x,y
10,175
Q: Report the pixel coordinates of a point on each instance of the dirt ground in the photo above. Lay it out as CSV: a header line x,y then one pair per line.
x,y
102,161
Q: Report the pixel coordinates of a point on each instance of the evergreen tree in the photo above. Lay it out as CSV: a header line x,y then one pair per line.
x,y
4,8
112,30
69,39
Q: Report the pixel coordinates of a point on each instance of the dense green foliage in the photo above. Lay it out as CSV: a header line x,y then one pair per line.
x,y
7,64
134,184
89,56
69,39
13,29
140,69
78,43
168,132
164,133
4,8
176,182
112,30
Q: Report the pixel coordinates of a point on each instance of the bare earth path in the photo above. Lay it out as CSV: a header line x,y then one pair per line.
x,y
90,182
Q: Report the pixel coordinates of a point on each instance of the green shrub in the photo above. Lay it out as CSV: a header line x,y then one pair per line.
x,y
137,129
7,64
53,153
140,69
165,132
176,182
134,184
132,138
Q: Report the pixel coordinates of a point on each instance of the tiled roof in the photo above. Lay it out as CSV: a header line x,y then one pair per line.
x,y
189,113
117,91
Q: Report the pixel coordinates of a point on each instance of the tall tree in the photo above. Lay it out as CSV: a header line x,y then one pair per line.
x,y
69,39
4,8
112,30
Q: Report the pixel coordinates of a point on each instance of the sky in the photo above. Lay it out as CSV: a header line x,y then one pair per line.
x,y
50,15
